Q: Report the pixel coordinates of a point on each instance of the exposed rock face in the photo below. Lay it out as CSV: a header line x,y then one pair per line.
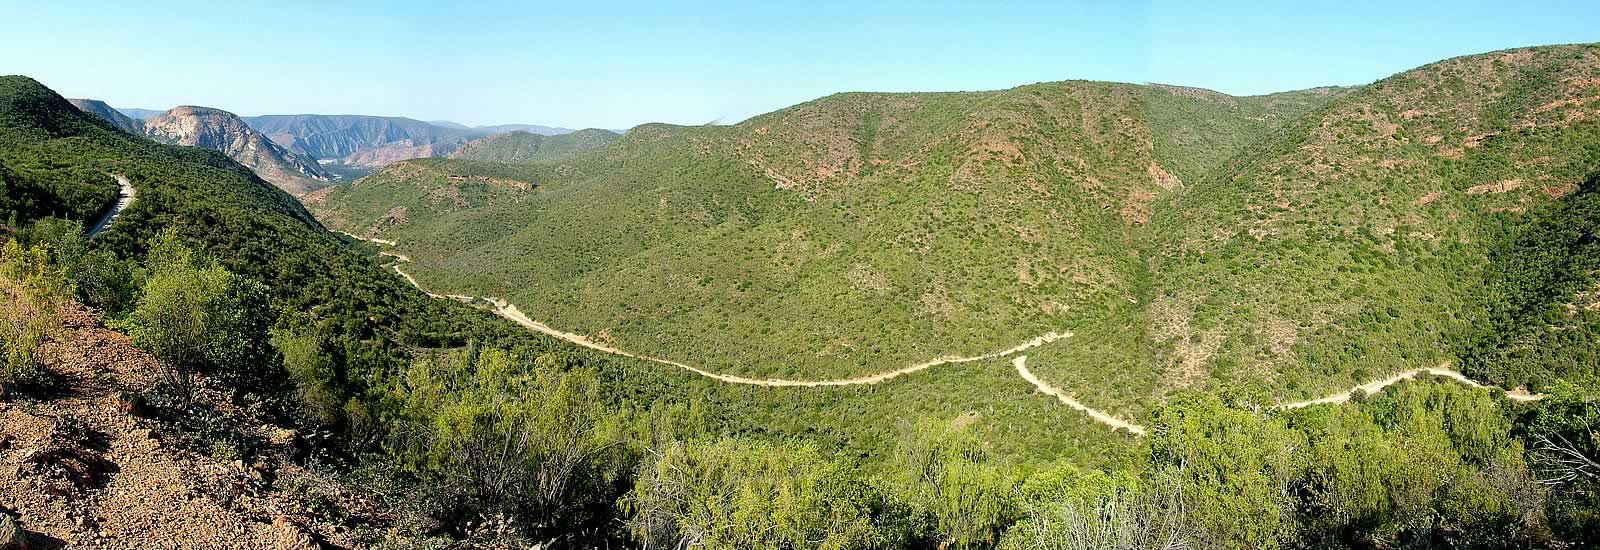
x,y
116,118
223,131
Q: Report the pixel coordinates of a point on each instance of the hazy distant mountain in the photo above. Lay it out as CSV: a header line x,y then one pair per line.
x,y
530,128
224,131
139,114
117,118
362,140
450,124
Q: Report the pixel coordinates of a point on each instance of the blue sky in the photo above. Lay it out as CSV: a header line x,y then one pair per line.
x,y
619,63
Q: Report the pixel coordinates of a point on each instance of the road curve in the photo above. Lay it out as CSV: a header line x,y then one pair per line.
x,y
1378,385
125,196
509,311
1021,362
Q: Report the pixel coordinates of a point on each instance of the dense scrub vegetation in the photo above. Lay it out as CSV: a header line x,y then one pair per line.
x,y
511,449
1544,304
1359,240
1208,240
905,226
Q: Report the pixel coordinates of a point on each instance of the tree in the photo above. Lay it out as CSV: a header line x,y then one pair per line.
x,y
948,477
310,367
734,494
1235,468
32,294
101,280
195,316
1563,436
1068,509
506,436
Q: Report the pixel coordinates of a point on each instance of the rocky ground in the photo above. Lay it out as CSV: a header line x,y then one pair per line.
x,y
84,466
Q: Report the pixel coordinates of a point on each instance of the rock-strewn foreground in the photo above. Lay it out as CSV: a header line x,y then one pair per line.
x,y
80,468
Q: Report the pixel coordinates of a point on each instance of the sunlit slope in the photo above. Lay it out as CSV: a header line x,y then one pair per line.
x,y
1356,242
852,234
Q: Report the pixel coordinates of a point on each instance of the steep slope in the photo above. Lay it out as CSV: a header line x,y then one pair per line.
x,y
116,118
367,141
87,470
1357,242
825,240
521,147
220,130
1297,243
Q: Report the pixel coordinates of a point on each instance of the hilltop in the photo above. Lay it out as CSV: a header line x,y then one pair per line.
x,y
220,130
123,122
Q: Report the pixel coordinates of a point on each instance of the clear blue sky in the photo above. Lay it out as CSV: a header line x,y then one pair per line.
x,y
618,63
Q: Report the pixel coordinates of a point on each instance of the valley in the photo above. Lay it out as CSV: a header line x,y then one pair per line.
x,y
894,242
1065,314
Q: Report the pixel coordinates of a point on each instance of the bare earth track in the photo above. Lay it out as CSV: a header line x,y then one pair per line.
x,y
125,196
510,311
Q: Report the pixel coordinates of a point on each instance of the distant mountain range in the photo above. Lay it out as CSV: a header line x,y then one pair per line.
x,y
222,131
307,151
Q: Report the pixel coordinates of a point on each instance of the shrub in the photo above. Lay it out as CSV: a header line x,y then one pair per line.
x,y
196,316
32,294
730,494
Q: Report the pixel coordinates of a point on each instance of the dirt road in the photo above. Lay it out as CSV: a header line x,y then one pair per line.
x,y
510,311
125,197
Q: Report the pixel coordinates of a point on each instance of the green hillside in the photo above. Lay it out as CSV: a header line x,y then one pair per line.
x,y
853,234
1358,242
1297,242
523,147
57,160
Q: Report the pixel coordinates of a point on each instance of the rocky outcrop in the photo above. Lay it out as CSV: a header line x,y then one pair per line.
x,y
223,131
116,118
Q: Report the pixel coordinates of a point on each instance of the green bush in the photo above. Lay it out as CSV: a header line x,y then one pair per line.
x,y
195,316
733,494
32,293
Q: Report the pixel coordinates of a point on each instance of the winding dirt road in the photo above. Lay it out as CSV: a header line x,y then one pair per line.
x,y
510,311
125,196
1370,388
1021,362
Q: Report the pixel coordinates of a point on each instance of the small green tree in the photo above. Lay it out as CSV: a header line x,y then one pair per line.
x,y
310,367
32,294
195,316
948,477
101,280
1068,509
507,436
733,494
